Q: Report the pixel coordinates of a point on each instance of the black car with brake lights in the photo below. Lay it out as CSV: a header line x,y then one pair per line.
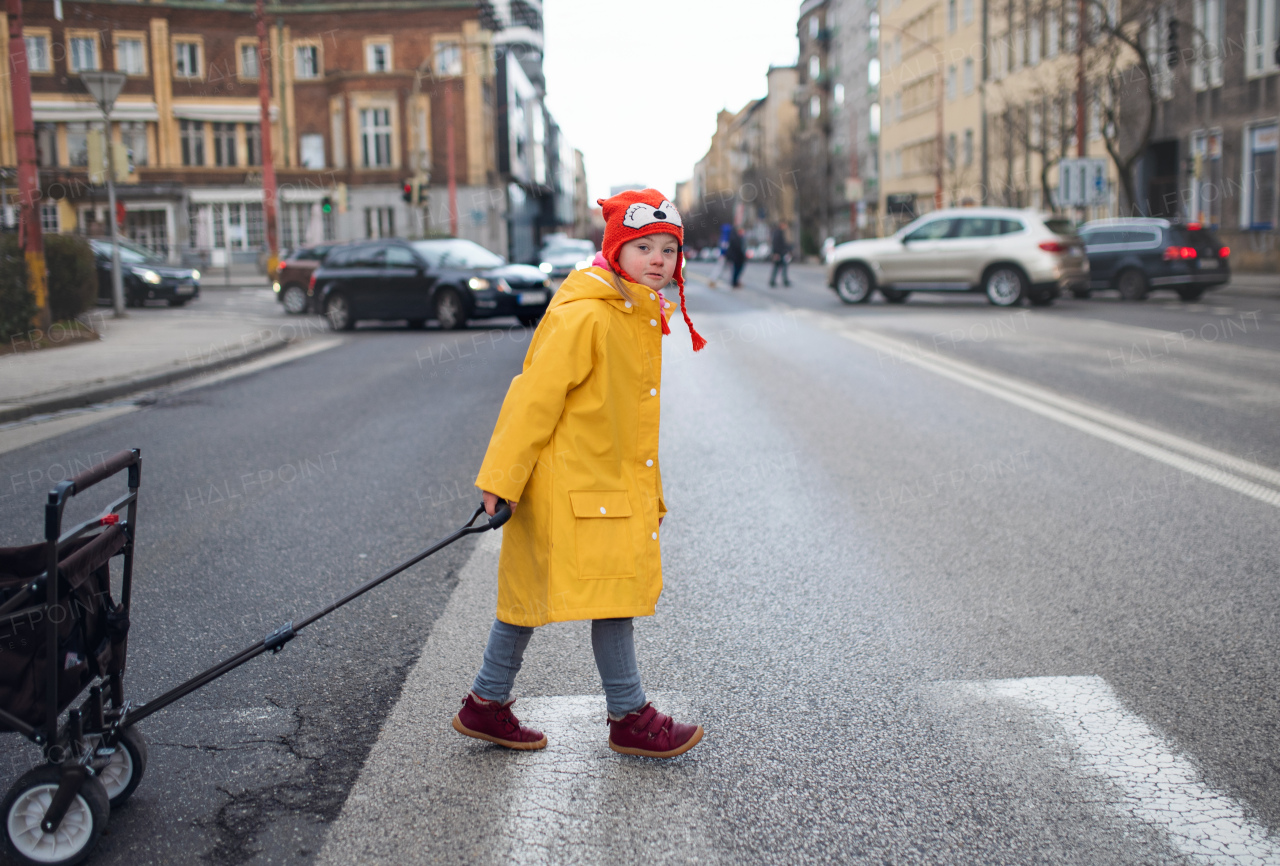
x,y
449,280
1136,256
145,275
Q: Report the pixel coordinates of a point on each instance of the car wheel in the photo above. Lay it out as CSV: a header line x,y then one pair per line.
x,y
294,298
338,311
449,311
1190,295
854,284
1081,294
417,324
895,296
530,321
1005,286
1132,285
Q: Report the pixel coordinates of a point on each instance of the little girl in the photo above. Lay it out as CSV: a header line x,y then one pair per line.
x,y
575,453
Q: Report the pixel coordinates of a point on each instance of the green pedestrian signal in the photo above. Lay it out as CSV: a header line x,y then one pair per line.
x,y
326,205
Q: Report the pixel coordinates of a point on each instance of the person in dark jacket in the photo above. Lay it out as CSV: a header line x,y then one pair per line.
x,y
737,256
781,252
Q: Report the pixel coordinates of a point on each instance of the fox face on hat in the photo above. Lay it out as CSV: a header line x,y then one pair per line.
x,y
635,214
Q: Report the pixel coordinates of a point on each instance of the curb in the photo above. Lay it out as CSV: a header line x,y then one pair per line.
x,y
90,396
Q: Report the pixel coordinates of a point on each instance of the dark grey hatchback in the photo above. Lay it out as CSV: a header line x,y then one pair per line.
x,y
1138,255
451,281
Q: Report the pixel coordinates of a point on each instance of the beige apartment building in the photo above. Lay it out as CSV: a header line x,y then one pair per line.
x,y
931,68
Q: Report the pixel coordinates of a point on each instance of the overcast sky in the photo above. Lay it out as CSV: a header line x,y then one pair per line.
x,y
636,85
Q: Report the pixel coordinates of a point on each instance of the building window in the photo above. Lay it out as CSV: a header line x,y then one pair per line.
x,y
1264,36
1035,35
186,59
952,16
815,68
815,106
191,136
83,54
133,137
837,93
1206,69
306,61
252,144
77,144
968,11
1259,180
38,53
375,137
968,75
815,25
47,145
224,144
1053,34
1206,178
968,147
951,83
49,221
378,56
255,225
379,222
311,150
131,57
951,151
248,57
448,59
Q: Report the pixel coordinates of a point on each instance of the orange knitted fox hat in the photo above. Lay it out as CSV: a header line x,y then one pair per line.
x,y
634,214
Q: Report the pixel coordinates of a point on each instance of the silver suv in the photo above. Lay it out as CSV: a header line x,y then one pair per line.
x,y
1009,254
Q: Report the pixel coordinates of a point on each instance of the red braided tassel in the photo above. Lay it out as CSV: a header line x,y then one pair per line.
x,y
666,329
698,340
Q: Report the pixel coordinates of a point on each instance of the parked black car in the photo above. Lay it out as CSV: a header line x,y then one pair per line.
x,y
146,276
450,280
1138,255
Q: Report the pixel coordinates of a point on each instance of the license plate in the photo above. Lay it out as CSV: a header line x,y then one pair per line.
x,y
1208,265
530,298
186,289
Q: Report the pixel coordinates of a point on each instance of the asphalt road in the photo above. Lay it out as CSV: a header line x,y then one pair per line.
x,y
930,596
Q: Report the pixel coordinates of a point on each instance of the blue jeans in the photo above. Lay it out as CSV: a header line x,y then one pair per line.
x,y
611,641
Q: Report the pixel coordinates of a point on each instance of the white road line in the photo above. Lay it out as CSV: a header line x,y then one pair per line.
x,y
1152,783
1194,458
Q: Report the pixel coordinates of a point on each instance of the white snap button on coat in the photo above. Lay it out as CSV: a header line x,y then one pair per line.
x,y
655,536
652,296
628,304
648,463
653,392
653,321
602,511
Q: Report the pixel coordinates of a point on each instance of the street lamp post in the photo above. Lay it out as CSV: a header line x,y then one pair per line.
x,y
104,87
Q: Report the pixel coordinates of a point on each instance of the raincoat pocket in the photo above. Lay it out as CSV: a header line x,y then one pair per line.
x,y
602,530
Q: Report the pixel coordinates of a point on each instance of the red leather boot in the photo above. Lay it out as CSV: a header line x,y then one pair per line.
x,y
650,734
492,721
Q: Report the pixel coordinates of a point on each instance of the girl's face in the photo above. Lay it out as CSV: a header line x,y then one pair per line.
x,y
650,260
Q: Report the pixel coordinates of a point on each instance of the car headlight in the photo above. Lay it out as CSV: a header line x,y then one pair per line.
x,y
195,275
545,267
275,287
147,275
582,266
478,283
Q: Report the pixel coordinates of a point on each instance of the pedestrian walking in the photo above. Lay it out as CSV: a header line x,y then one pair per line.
x,y
737,256
722,261
781,250
575,453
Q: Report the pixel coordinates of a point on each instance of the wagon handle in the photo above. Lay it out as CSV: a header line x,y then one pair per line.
x,y
501,515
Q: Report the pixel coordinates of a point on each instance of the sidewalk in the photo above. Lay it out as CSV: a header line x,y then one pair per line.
x,y
150,348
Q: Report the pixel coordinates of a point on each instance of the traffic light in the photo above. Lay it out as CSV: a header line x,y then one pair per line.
x,y
326,205
1172,53
408,195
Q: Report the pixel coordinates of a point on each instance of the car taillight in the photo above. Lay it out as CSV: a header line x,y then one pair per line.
x,y
280,267
1172,254
311,284
1224,252
1194,227
1053,247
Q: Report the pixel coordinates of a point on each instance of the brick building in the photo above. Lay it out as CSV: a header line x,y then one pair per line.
x,y
361,95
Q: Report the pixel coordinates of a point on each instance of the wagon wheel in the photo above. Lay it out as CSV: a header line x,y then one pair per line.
x,y
124,769
24,808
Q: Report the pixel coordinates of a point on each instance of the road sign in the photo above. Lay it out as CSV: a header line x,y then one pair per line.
x,y
1082,182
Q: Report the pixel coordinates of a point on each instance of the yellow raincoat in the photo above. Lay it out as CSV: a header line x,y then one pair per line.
x,y
576,446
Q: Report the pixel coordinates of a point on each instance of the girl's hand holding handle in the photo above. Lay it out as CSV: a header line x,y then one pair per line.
x,y
491,501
